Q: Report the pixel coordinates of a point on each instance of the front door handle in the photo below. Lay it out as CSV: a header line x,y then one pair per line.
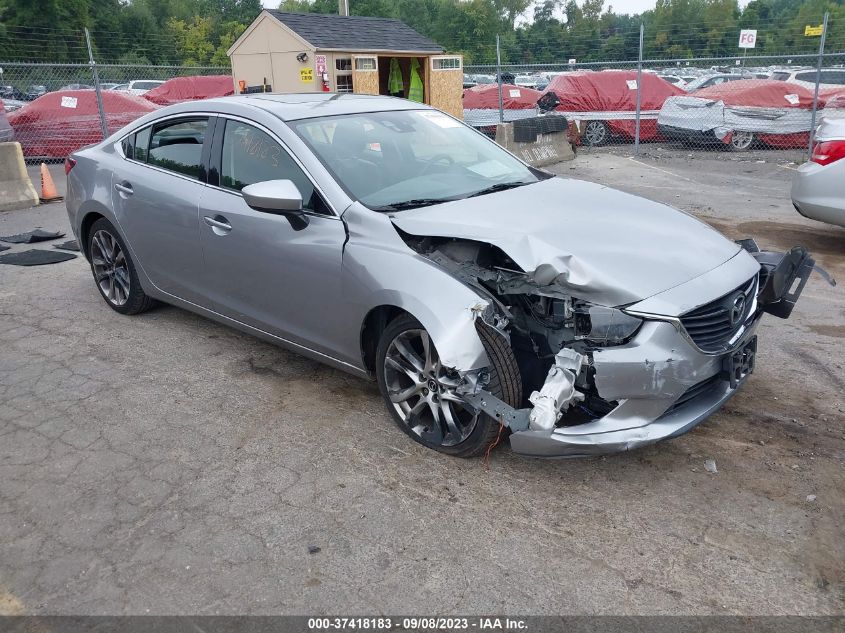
x,y
124,187
218,224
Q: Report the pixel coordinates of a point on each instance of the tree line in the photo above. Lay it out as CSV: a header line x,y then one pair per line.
x,y
199,32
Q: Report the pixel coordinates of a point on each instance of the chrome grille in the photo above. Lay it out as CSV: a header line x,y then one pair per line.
x,y
713,326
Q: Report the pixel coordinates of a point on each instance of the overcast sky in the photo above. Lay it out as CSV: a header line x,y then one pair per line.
x,y
619,6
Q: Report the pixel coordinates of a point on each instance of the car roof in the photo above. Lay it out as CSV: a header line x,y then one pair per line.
x,y
290,107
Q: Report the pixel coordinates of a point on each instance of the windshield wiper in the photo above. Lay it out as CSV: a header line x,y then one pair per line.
x,y
502,186
410,204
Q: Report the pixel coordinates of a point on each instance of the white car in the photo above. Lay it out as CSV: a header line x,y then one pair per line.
x,y
674,79
139,86
830,77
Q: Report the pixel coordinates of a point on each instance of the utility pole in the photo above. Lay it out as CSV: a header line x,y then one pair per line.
x,y
103,125
639,92
816,92
499,81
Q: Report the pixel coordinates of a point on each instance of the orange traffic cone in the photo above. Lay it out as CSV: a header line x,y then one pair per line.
x,y
48,187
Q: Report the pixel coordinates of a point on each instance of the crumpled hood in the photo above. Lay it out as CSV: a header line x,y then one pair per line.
x,y
598,243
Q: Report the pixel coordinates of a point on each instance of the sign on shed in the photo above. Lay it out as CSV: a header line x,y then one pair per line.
x,y
747,38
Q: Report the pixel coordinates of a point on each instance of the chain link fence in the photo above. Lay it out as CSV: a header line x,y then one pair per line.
x,y
741,103
54,109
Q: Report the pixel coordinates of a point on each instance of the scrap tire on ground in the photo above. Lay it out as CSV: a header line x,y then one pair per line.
x,y
505,383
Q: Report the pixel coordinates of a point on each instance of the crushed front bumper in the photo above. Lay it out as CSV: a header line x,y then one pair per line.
x,y
664,387
661,382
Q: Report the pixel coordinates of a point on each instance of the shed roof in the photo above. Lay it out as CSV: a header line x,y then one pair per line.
x,y
355,33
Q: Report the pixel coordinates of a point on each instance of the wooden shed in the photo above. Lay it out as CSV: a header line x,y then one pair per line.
x,y
313,52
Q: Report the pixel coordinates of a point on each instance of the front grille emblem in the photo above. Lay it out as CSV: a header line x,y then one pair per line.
x,y
738,308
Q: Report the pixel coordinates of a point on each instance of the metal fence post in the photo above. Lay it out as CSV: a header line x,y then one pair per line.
x,y
818,81
639,93
499,81
93,64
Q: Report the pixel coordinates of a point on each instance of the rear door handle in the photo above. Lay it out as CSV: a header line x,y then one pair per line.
x,y
124,187
218,223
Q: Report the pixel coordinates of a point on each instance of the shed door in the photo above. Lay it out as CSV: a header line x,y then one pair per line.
x,y
365,74
446,84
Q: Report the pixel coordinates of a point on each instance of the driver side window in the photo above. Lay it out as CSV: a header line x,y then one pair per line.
x,y
251,156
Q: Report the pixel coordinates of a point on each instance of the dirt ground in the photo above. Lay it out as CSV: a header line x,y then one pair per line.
x,y
165,464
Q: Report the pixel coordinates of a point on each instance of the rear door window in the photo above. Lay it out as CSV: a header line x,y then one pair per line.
x,y
177,146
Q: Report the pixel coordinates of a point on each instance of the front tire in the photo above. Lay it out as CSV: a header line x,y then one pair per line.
x,y
420,392
114,271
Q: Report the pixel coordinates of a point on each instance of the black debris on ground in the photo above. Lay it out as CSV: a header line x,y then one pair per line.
x,y
35,257
70,245
313,549
4,248
31,237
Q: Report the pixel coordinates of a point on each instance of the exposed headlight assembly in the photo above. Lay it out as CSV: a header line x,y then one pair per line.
x,y
603,326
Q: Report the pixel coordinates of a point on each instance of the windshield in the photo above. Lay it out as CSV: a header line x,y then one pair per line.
x,y
411,158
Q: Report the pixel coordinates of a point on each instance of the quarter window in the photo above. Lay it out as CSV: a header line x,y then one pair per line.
x,y
142,144
128,145
251,156
177,146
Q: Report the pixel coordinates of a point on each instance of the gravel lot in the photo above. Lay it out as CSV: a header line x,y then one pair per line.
x,y
164,464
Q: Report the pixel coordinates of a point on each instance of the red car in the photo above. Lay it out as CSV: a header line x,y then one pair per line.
x,y
604,104
58,123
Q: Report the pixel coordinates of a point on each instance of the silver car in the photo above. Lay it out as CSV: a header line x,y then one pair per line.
x,y
817,191
385,238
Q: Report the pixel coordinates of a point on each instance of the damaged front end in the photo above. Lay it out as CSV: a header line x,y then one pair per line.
x,y
599,379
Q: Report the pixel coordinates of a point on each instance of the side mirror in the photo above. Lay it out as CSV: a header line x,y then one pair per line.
x,y
277,196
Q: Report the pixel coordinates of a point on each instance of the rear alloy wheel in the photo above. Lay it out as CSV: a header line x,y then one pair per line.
x,y
421,394
113,270
596,133
741,141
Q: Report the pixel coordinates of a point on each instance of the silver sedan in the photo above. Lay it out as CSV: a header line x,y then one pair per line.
x,y
817,191
486,297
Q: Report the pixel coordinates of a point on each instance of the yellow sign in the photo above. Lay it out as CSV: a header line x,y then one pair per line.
x,y
306,75
813,31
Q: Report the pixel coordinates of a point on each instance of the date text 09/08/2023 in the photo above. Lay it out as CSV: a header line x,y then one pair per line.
x,y
383,623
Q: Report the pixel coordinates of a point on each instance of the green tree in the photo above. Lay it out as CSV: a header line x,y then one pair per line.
x,y
193,39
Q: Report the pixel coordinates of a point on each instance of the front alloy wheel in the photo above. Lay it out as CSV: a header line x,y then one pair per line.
x,y
422,391
421,394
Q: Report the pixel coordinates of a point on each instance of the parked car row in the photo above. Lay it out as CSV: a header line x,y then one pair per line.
x,y
735,110
136,87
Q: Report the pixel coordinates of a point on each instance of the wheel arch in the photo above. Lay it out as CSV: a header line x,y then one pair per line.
x,y
452,328
85,225
373,325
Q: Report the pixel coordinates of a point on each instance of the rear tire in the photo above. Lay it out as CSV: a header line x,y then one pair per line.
x,y
114,271
419,395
